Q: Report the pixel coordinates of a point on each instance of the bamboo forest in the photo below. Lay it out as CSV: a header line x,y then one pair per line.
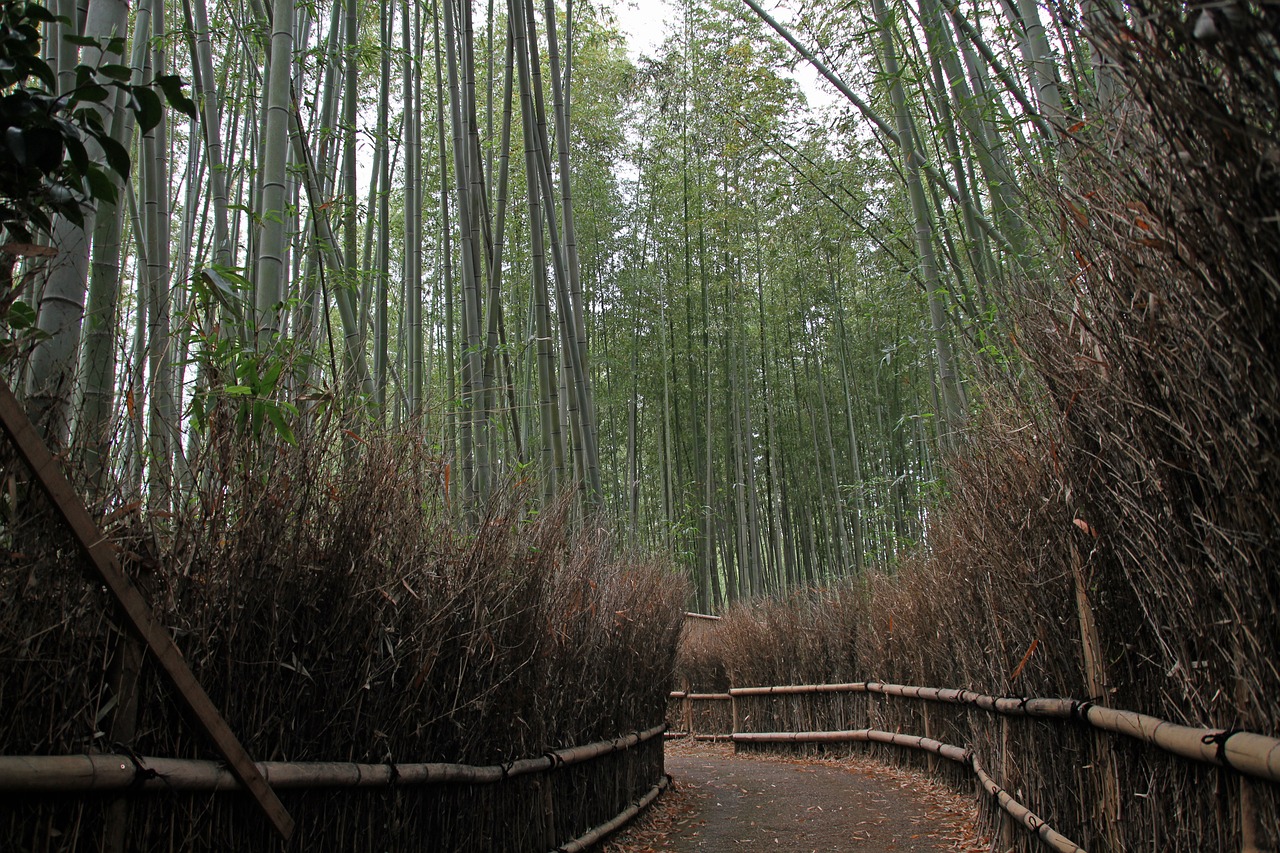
x,y
472,425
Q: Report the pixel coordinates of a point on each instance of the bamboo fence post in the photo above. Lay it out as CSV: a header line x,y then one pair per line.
x,y
548,814
1006,821
124,725
733,727
931,759
686,705
1250,826
1106,771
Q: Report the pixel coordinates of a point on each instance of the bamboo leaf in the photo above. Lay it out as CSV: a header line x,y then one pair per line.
x,y
122,73
282,427
147,107
101,187
171,86
117,156
21,315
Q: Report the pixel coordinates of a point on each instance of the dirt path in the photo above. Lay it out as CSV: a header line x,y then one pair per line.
x,y
722,801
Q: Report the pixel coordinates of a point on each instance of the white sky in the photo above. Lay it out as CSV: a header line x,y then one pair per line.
x,y
647,22
644,22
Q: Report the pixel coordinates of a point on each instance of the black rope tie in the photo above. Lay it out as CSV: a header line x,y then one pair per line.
x,y
141,773
1080,710
1220,739
556,759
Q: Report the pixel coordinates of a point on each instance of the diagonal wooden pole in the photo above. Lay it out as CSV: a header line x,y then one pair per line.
x,y
68,504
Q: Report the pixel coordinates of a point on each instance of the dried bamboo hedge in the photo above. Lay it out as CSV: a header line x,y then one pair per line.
x,y
336,610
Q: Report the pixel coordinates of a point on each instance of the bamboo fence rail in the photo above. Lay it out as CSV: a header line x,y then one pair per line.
x,y
584,841
1248,753
70,773
1245,752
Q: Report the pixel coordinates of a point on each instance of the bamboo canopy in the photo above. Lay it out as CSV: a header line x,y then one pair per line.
x,y
1047,834
1246,752
65,773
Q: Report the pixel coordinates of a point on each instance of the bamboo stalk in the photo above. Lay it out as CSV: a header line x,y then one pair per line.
x,y
65,773
1027,818
1246,752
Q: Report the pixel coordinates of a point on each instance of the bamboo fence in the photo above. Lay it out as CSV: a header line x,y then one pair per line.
x,y
108,772
148,777
1246,753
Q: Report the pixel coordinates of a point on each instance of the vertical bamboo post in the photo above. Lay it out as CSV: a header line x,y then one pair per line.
x,y
930,759
548,815
124,725
686,705
1006,822
1250,830
1095,675
733,728
1250,826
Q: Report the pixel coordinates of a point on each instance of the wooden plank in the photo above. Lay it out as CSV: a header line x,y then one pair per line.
x,y
137,612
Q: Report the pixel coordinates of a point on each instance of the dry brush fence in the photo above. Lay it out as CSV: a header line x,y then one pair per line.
x,y
337,614
556,815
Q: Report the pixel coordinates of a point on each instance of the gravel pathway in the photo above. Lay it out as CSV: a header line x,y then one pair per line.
x,y
723,801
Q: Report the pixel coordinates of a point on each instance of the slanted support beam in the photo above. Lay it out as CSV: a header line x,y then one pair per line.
x,y
136,610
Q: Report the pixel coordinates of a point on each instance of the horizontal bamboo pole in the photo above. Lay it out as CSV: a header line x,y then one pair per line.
x,y
793,689
689,614
700,697
67,773
946,750
1027,818
584,842
1246,752
1048,836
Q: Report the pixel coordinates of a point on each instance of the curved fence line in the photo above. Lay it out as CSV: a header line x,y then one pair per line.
x,y
66,773
1033,823
584,841
1249,753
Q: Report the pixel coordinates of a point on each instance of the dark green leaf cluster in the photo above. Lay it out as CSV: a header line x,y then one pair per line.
x,y
45,167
